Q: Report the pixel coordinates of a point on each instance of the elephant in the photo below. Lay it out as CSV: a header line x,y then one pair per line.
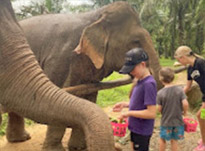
x,y
27,91
75,49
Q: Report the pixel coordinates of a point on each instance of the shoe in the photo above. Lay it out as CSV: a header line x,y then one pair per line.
x,y
200,147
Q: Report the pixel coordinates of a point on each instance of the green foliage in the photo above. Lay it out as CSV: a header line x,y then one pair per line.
x,y
100,3
78,8
54,6
3,125
40,7
49,5
166,62
114,95
33,10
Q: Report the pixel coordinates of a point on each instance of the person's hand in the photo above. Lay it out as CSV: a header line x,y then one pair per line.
x,y
185,115
203,105
118,107
124,115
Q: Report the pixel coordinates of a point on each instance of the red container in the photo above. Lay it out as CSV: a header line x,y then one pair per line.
x,y
119,129
190,125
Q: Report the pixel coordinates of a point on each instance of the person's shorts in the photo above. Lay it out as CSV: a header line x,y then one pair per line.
x,y
140,142
169,132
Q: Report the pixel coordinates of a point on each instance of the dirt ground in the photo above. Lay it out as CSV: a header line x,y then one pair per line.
x,y
38,132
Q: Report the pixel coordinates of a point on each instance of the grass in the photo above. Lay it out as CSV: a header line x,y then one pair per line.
x,y
166,62
111,96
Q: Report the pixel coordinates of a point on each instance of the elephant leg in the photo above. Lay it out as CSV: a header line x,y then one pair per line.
x,y
15,131
53,139
77,140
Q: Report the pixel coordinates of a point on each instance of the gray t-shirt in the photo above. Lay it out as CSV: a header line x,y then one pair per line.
x,y
170,98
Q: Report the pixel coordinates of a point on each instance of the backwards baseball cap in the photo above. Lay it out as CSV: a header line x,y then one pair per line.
x,y
133,57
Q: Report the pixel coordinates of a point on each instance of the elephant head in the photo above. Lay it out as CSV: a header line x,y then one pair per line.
x,y
25,89
118,30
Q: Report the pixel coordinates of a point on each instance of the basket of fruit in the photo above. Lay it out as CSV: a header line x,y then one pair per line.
x,y
119,126
190,125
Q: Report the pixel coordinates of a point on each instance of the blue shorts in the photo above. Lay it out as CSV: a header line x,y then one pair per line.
x,y
172,132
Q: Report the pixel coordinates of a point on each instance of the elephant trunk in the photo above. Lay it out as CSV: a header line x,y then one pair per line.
x,y
25,90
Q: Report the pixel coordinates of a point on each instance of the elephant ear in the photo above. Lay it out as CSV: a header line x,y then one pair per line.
x,y
94,41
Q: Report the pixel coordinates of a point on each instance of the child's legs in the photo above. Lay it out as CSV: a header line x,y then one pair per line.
x,y
162,144
174,145
165,135
140,142
132,146
173,134
177,134
202,126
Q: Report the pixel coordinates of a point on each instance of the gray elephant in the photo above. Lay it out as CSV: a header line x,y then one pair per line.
x,y
26,90
81,49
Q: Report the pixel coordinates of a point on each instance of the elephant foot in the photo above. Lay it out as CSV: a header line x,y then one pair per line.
x,y
17,137
53,147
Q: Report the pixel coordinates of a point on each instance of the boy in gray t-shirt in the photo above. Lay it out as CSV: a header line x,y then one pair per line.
x,y
172,104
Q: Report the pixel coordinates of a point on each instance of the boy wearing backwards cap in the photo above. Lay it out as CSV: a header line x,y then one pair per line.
x,y
142,105
196,72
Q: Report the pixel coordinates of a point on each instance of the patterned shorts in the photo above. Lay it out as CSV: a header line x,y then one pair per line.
x,y
172,132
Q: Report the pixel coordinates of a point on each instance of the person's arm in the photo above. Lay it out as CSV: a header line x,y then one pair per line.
x,y
185,105
119,106
159,108
159,103
203,102
188,86
203,105
149,113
